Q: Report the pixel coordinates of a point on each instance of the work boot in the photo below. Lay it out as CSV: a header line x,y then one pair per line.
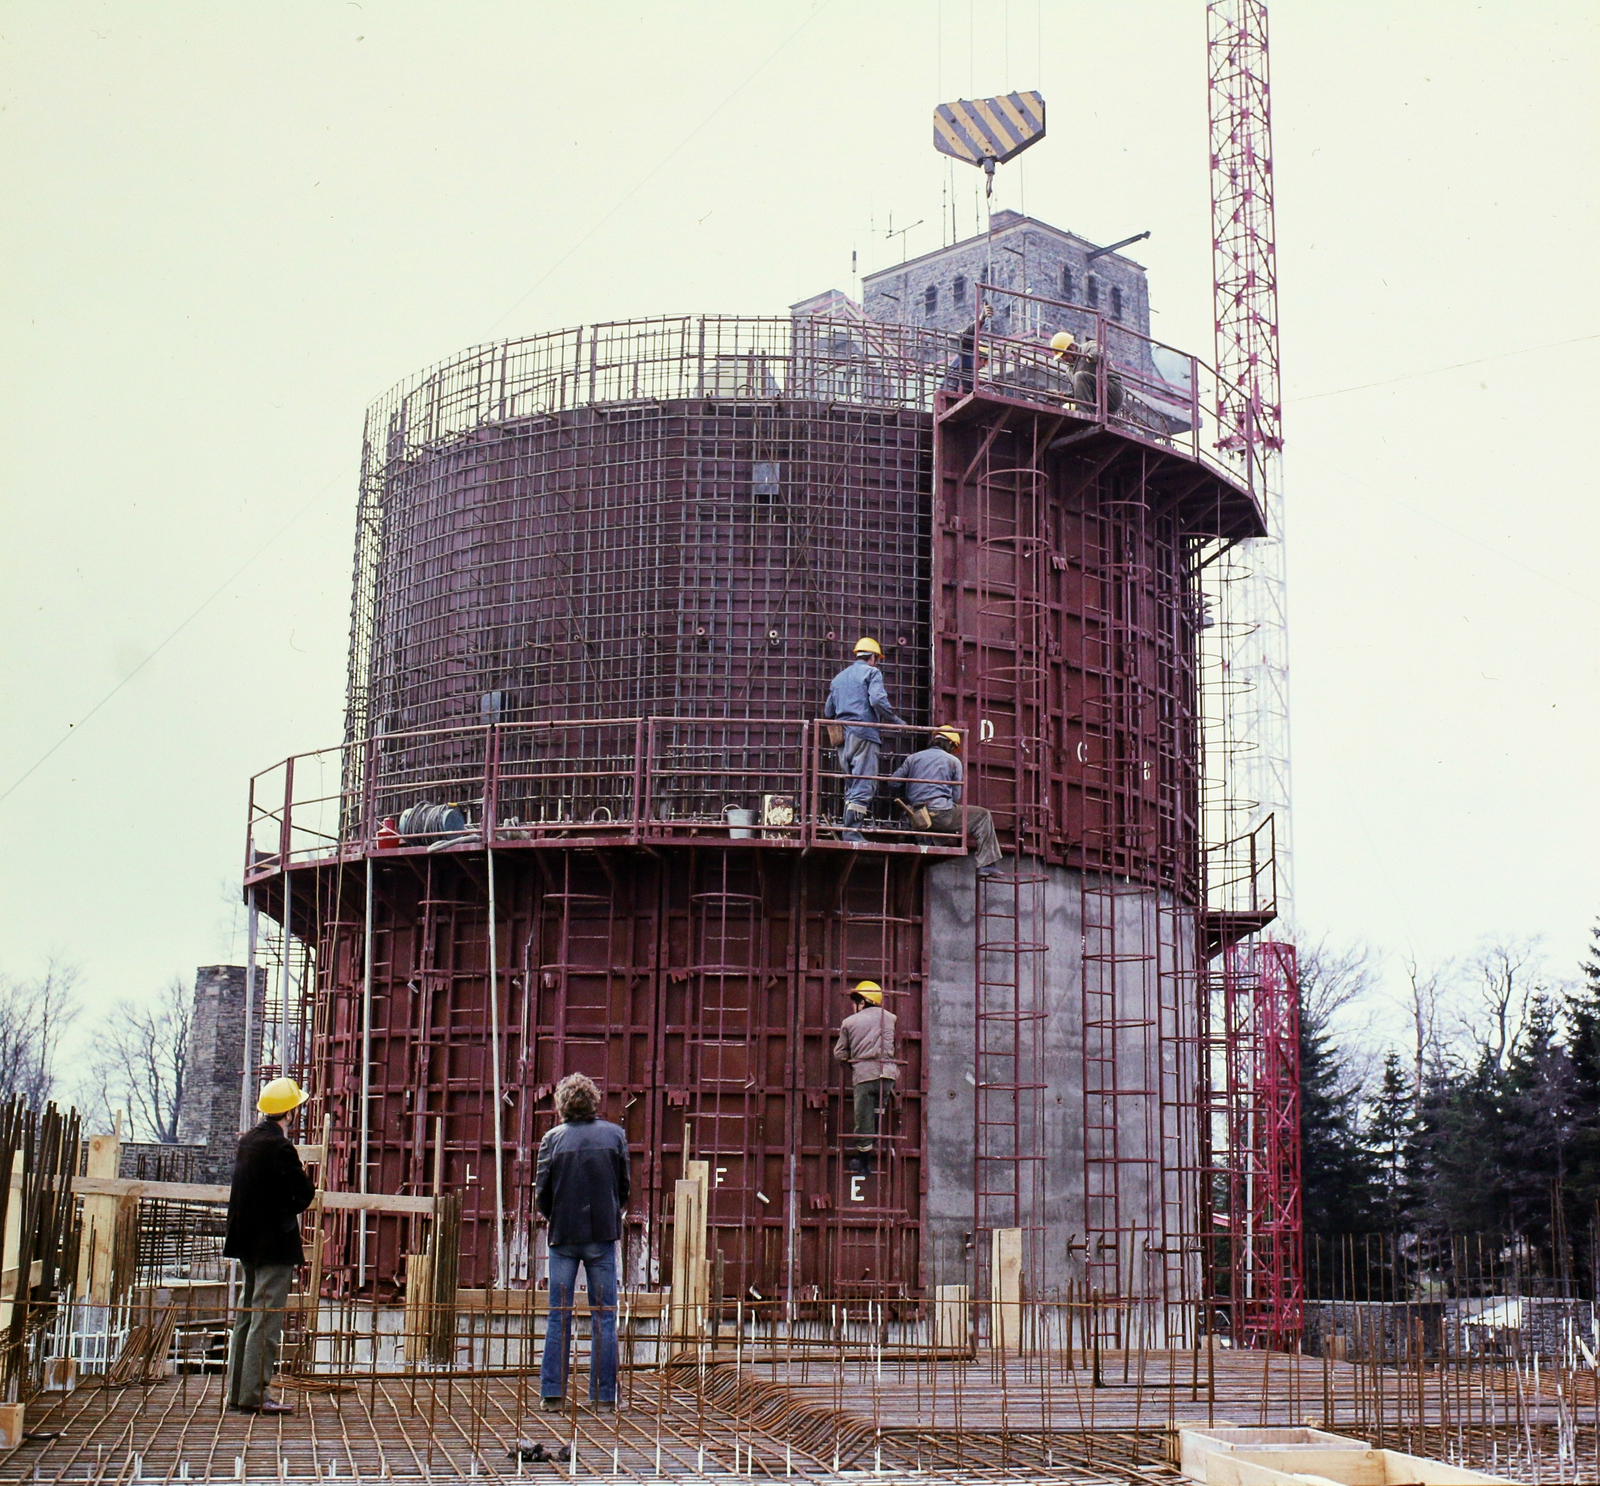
x,y
551,1405
855,816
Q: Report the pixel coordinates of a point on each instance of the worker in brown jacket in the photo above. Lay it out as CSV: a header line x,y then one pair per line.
x,y
866,1047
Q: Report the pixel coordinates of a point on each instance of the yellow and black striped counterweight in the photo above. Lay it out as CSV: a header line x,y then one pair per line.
x,y
981,130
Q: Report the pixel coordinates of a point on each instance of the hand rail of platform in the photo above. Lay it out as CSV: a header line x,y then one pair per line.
x,y
760,782
1242,873
1204,419
844,358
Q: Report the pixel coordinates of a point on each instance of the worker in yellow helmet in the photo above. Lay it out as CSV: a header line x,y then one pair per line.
x,y
858,695
1083,361
929,784
270,1191
866,1046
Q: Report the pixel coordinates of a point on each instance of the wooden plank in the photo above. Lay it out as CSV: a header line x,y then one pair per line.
x,y
688,1257
8,1278
1005,1290
11,1246
952,1329
700,1171
419,1301
114,1187
537,1302
99,1218
377,1202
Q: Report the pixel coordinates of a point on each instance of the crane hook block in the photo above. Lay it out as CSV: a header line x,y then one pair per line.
x,y
988,131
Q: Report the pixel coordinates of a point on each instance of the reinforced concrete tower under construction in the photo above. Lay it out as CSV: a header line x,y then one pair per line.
x,y
585,816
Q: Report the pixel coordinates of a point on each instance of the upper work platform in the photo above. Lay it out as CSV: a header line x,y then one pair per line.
x,y
1111,395
631,782
1159,397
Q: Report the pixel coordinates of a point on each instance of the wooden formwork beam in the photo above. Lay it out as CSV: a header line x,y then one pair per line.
x,y
99,1216
1005,1290
373,1202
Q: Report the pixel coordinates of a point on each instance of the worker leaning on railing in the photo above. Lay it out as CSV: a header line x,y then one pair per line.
x,y
1083,364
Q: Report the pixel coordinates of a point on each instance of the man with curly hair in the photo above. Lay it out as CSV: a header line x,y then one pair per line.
x,y
582,1190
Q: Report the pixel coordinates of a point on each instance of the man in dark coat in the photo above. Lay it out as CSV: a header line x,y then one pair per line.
x,y
582,1190
270,1191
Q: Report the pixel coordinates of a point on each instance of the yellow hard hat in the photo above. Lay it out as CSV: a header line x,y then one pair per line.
x,y
950,735
867,645
280,1096
870,992
1062,342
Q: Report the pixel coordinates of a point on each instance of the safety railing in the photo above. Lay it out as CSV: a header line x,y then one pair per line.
x,y
1242,873
1126,381
1149,390
762,782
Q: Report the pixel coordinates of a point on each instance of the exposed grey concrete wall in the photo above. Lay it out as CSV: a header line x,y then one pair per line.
x,y
947,1050
1155,1196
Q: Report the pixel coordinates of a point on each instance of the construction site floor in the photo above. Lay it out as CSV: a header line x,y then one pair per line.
x,y
1014,1419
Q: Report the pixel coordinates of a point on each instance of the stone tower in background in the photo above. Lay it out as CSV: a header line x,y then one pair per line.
x,y
210,1114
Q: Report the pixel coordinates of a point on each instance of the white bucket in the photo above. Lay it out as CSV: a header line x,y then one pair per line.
x,y
737,819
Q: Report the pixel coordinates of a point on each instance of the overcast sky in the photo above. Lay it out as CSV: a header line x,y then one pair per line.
x,y
229,226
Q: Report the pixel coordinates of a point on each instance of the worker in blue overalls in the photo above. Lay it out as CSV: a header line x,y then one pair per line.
x,y
858,695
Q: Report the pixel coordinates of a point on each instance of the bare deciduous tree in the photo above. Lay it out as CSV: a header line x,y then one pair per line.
x,y
1332,979
139,1059
1424,1002
1508,972
34,1014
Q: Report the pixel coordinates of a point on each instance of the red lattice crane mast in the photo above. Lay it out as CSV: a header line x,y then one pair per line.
x,y
1262,1015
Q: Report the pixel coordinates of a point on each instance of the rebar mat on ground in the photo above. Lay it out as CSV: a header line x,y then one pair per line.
x,y
821,1432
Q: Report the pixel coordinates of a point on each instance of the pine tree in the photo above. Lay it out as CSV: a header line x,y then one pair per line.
x,y
1337,1173
1583,1051
1391,1137
1536,1101
1459,1148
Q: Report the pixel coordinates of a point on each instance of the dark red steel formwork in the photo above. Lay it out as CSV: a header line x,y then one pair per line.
x,y
703,994
1262,1287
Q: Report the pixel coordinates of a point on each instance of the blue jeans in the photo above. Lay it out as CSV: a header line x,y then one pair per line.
x,y
858,756
599,1261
